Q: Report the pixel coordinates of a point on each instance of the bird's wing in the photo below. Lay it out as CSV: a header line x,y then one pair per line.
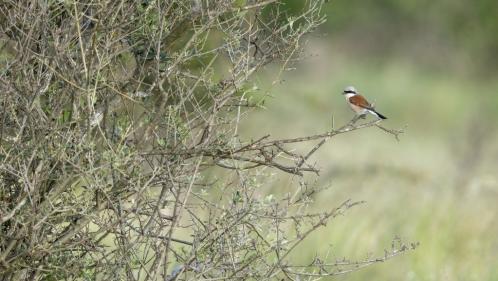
x,y
360,101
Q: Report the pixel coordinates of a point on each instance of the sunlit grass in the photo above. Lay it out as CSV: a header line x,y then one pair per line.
x,y
412,187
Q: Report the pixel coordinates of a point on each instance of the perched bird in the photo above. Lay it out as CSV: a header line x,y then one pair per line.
x,y
359,104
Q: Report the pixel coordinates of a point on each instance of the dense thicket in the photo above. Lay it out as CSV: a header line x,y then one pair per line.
x,y
113,112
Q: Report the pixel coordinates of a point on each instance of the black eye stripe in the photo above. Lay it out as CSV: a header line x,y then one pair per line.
x,y
350,92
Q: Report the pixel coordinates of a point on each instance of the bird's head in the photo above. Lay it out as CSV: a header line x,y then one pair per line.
x,y
349,90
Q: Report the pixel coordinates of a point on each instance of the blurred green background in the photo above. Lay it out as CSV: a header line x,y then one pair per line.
x,y
429,66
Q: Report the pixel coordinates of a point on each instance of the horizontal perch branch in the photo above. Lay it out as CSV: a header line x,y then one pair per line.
x,y
264,152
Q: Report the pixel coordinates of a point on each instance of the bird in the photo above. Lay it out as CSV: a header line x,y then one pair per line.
x,y
359,104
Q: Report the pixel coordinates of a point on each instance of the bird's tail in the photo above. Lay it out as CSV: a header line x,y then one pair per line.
x,y
378,114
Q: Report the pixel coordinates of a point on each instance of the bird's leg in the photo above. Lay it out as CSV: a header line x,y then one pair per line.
x,y
354,120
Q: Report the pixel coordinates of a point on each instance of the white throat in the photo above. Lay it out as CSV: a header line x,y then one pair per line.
x,y
348,95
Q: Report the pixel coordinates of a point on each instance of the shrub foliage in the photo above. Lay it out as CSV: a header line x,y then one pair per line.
x,y
119,148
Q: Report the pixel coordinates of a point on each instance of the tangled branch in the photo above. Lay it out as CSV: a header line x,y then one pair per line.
x,y
114,116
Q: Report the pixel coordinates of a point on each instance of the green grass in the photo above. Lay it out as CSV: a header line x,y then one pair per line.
x,y
437,186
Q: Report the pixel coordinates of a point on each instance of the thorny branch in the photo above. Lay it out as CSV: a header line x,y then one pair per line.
x,y
265,153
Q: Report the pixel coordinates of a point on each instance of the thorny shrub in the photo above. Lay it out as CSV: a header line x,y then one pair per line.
x,y
113,112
